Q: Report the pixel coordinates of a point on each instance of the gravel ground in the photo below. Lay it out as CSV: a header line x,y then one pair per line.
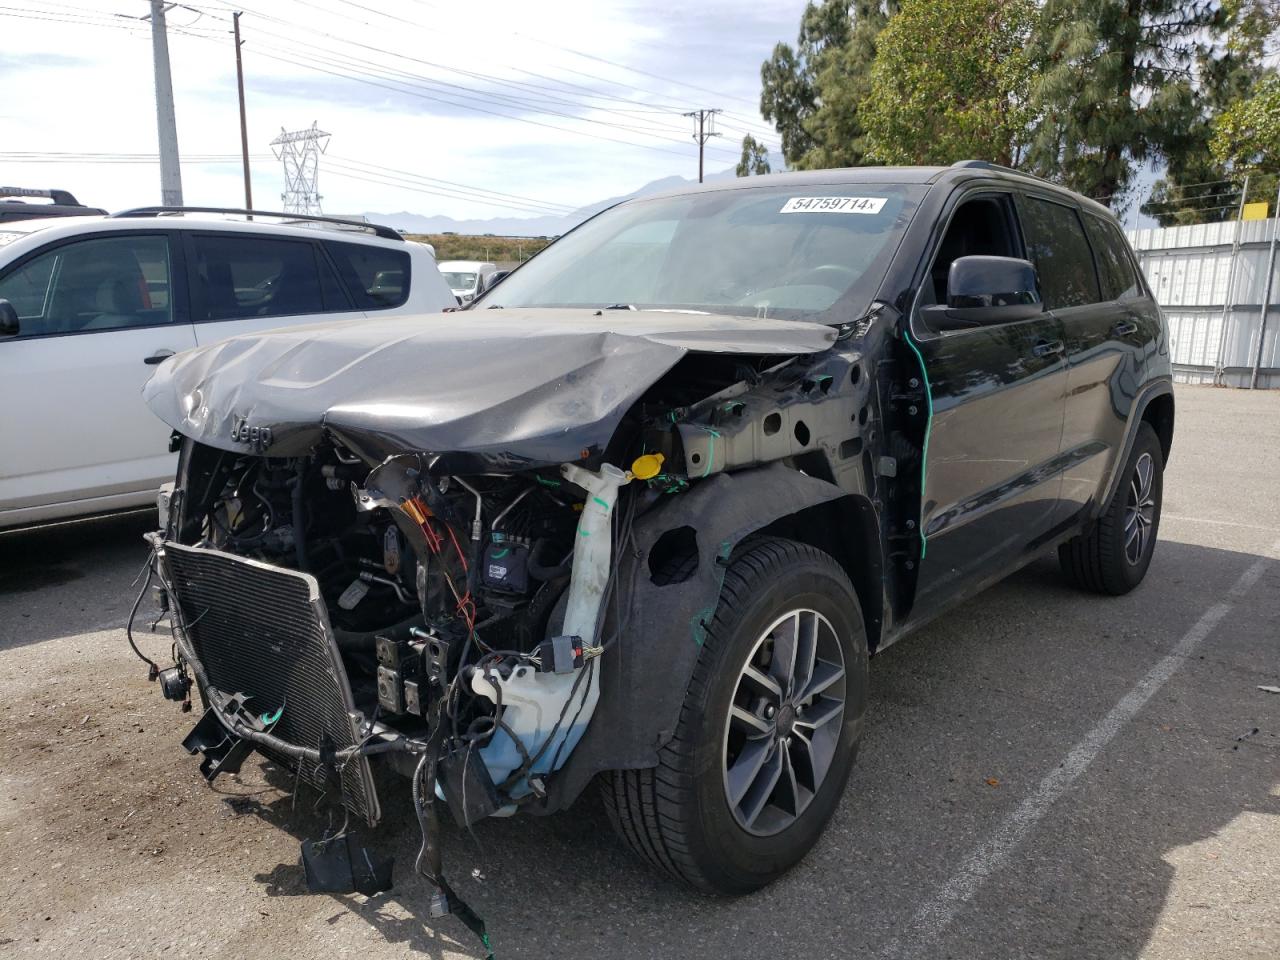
x,y
1044,774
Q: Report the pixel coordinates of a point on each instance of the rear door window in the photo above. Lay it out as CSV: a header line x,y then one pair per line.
x,y
1115,268
1057,245
239,276
376,278
108,283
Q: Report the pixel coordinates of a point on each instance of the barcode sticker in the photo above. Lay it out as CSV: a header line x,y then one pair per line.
x,y
833,205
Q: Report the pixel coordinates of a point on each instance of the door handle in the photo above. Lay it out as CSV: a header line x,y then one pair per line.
x,y
1046,348
160,356
1124,328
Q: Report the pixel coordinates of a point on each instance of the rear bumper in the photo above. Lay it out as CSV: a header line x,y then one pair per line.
x,y
258,638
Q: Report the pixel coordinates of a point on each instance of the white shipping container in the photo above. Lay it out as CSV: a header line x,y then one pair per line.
x,y
1189,269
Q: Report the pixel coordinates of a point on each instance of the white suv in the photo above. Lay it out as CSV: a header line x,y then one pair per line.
x,y
90,305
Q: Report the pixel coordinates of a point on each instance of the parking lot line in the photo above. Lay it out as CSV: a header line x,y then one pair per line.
x,y
932,919
1219,523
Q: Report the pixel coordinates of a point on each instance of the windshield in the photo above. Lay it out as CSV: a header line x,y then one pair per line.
x,y
796,251
459,281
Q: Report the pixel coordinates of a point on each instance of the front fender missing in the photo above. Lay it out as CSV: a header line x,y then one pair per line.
x,y
671,587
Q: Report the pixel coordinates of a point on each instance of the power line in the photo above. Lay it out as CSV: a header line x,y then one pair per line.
x,y
342,65
452,183
338,59
385,175
369,79
385,182
636,70
383,50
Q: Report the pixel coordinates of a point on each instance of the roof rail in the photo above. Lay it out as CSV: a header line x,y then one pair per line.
x,y
62,197
387,233
988,165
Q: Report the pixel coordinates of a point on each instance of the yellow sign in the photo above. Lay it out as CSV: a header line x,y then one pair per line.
x,y
1255,211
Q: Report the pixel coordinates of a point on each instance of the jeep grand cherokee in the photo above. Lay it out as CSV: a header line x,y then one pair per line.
x,y
642,513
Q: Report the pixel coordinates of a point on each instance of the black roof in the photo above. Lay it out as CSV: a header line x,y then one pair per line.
x,y
961,170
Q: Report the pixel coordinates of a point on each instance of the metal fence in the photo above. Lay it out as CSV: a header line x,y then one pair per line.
x,y
1211,280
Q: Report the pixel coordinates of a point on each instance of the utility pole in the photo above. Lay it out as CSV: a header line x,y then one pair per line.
x,y
244,128
1266,296
170,170
704,128
1220,372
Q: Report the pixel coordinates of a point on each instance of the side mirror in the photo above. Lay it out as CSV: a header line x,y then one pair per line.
x,y
983,291
8,319
495,279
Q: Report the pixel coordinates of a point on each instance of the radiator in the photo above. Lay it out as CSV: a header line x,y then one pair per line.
x,y
263,631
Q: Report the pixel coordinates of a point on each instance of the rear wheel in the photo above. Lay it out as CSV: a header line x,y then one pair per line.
x,y
1114,556
768,731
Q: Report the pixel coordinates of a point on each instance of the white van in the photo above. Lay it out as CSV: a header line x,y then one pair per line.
x,y
468,278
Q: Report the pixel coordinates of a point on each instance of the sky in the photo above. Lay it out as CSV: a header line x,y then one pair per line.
x,y
501,108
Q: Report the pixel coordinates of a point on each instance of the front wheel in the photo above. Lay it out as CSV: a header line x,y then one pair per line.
x,y
768,731
1114,556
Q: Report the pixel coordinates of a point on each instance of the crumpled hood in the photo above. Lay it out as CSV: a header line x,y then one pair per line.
x,y
513,386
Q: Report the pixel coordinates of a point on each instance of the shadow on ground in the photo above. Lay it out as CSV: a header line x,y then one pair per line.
x,y
996,693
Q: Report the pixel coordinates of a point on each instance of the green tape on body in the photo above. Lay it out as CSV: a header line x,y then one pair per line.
x,y
928,429
699,621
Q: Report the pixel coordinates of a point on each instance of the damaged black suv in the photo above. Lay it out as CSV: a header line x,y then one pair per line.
x,y
641,513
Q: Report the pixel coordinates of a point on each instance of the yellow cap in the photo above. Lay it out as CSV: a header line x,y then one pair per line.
x,y
648,466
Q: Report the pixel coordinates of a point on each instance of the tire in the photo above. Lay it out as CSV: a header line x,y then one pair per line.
x,y
1108,559
678,815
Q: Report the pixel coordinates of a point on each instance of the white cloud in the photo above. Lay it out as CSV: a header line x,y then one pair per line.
x,y
85,85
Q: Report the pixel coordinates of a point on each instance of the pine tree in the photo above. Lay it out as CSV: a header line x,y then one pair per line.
x,y
1196,187
1118,88
813,93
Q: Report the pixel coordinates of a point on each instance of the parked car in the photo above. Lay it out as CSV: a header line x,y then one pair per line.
x,y
90,305
468,278
645,524
15,205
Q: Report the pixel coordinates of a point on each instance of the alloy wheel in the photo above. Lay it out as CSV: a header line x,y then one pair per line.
x,y
784,722
1140,510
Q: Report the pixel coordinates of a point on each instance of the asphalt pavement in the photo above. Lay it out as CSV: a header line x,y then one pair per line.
x,y
1045,774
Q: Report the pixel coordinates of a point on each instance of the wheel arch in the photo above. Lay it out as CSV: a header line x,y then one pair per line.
x,y
644,678
1153,406
848,530
1158,412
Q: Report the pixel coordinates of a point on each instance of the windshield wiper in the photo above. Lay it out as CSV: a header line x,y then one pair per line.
x,y
621,306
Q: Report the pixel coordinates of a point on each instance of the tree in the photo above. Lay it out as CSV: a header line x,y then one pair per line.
x,y
755,158
951,81
1117,87
813,93
1246,136
1196,187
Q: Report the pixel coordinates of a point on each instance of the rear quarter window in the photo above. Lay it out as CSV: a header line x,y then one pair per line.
x,y
1115,267
376,277
240,276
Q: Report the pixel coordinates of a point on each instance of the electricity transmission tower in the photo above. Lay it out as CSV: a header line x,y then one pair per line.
x,y
300,152
704,128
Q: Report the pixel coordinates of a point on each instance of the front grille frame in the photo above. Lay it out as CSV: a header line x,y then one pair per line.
x,y
236,641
